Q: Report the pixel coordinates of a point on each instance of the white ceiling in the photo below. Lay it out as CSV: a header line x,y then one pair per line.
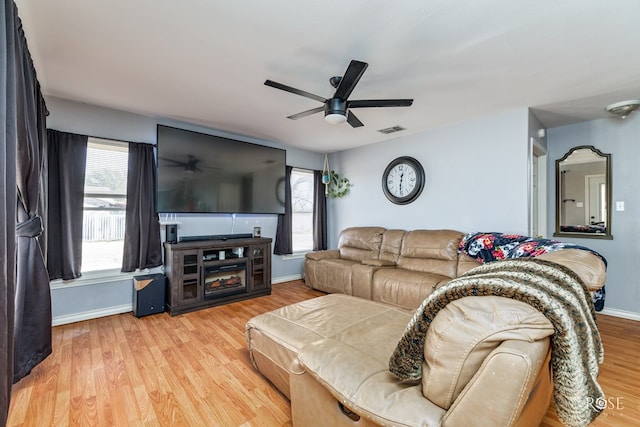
x,y
205,61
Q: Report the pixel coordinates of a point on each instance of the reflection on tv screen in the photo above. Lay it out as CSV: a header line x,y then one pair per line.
x,y
203,173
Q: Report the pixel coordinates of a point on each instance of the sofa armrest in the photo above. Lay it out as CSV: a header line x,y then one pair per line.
x,y
320,255
513,382
589,267
362,276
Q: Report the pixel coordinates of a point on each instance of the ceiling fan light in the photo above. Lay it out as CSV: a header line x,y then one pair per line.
x,y
335,111
335,118
624,108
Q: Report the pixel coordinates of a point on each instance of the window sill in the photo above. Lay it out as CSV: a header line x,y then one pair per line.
x,y
295,255
99,277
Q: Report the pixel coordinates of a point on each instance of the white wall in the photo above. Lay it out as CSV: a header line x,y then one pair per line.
x,y
70,303
620,138
476,179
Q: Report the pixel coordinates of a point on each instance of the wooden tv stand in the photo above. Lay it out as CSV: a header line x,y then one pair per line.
x,y
199,277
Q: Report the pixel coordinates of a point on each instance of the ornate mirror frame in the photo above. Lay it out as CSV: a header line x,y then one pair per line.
x,y
575,197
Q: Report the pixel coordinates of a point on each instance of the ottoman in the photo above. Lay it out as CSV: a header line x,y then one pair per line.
x,y
275,338
487,364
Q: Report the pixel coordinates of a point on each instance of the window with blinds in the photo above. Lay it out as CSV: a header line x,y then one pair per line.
x,y
105,199
302,207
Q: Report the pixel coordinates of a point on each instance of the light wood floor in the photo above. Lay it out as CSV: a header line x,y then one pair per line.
x,y
194,370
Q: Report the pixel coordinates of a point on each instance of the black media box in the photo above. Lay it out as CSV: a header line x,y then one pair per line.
x,y
148,294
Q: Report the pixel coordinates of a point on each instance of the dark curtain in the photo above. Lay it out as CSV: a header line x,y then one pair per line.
x,y
25,128
67,159
142,247
319,213
284,240
8,203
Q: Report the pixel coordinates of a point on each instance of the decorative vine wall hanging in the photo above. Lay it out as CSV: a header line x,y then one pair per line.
x,y
338,187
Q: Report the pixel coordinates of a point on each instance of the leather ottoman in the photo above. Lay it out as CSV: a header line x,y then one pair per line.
x,y
275,338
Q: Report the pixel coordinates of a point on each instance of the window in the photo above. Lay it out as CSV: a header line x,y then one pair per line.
x,y
105,198
302,207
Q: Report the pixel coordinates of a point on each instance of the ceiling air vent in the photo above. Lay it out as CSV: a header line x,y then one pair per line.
x,y
392,129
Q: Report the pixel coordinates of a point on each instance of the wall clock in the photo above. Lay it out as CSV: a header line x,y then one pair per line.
x,y
403,180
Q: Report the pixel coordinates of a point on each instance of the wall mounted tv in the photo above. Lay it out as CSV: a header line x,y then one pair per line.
x,y
202,173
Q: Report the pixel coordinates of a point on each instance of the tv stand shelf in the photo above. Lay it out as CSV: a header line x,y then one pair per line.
x,y
207,273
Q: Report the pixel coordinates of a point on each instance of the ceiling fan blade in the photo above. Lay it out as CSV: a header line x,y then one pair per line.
x,y
293,90
353,120
175,162
365,103
354,72
305,113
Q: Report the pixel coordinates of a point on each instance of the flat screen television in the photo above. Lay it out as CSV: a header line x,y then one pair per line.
x,y
200,173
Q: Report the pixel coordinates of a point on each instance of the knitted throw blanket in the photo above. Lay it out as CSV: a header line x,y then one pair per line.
x,y
554,290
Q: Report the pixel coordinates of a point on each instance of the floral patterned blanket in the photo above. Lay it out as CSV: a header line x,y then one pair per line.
x,y
488,247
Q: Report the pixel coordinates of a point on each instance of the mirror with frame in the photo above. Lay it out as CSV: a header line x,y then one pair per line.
x,y
583,194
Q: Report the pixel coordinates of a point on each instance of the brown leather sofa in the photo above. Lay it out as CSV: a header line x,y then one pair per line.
x,y
486,359
402,268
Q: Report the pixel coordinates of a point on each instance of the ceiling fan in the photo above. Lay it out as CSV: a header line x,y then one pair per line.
x,y
190,166
337,108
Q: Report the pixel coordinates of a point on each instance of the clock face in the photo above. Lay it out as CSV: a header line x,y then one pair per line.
x,y
403,180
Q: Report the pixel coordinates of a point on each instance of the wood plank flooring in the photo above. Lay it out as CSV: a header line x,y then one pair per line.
x,y
619,374
194,370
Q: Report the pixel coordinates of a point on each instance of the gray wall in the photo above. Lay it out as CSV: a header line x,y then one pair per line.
x,y
477,178
71,302
620,138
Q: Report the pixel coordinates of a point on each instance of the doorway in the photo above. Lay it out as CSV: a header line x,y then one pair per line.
x,y
596,199
537,189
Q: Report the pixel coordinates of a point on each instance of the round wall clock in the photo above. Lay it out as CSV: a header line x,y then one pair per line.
x,y
403,180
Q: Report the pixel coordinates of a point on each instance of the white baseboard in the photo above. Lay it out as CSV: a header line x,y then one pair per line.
x,y
125,308
92,314
286,278
631,315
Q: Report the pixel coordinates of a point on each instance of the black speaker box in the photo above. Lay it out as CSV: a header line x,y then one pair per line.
x,y
148,294
171,233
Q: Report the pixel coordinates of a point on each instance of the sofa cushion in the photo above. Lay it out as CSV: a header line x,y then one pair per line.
x,y
359,377
391,245
465,332
353,365
358,243
274,338
433,251
404,288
